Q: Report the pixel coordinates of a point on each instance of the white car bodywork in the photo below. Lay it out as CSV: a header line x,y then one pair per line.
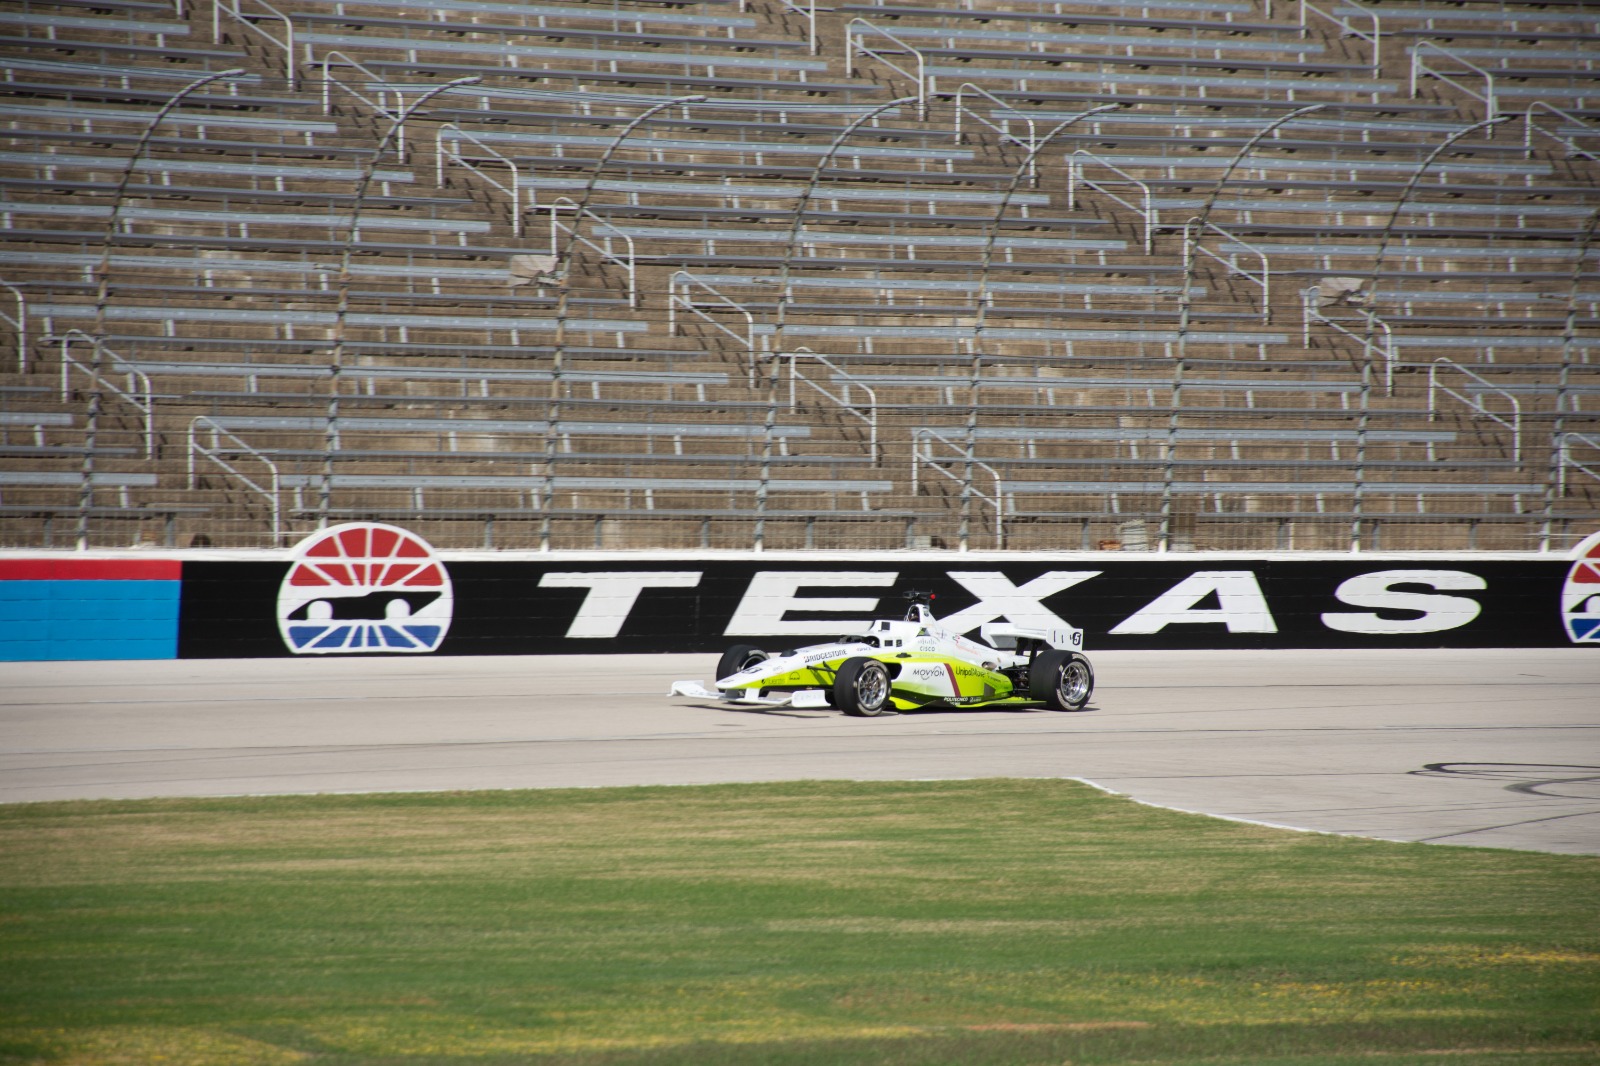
x,y
919,638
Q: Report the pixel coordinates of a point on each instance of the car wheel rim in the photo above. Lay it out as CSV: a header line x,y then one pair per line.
x,y
871,688
1074,687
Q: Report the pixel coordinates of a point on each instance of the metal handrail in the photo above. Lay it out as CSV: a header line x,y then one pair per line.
x,y
130,396
684,300
379,107
1491,102
443,154
1564,445
921,75
1149,212
234,10
328,80
627,263
1374,38
1529,129
843,399
1000,501
1003,128
215,452
20,324
1390,353
1192,245
809,13
1476,404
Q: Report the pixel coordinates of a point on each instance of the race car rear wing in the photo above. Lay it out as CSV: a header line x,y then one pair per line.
x,y
1023,639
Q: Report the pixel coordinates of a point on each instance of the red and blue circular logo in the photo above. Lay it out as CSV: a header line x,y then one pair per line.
x,y
364,588
1580,596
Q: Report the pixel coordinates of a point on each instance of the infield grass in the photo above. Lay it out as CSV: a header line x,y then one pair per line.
x,y
1003,922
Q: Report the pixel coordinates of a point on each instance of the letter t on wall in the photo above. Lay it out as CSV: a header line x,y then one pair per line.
x,y
612,595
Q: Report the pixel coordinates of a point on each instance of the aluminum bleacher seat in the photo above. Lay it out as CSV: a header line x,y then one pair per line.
x,y
229,221
745,144
910,246
1064,340
1170,164
454,430
163,319
1418,258
27,430
553,24
388,381
1513,18
164,169
32,490
1236,17
539,57
1181,54
480,14
717,54
611,493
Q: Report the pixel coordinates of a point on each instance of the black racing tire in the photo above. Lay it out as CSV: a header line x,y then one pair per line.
x,y
737,658
861,687
1061,680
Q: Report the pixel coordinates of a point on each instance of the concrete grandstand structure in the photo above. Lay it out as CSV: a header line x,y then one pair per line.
x,y
1168,274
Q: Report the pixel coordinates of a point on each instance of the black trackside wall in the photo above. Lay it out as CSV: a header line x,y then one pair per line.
x,y
566,606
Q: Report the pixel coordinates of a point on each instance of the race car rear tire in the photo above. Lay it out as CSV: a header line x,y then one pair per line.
x,y
861,687
1061,680
737,658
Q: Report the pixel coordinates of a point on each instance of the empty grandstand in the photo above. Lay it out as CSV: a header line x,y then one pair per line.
x,y
1160,275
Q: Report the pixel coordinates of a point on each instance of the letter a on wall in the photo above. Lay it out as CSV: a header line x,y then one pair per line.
x,y
1241,606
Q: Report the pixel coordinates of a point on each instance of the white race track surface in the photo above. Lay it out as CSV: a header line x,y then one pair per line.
x,y
1490,748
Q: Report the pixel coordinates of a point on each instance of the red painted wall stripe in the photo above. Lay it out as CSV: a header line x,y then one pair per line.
x,y
90,570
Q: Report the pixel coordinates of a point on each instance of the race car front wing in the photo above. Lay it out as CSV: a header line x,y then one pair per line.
x,y
802,698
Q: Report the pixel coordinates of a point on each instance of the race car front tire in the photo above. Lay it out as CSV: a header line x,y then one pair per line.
x,y
1061,680
861,687
737,658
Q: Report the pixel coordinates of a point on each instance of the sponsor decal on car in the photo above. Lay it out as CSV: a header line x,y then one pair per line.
x,y
936,679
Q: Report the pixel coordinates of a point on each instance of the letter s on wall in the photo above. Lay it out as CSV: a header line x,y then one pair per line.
x,y
1376,590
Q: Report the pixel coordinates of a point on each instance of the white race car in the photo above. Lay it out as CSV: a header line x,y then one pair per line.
x,y
904,664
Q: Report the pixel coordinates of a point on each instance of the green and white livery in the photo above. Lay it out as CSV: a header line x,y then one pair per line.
x,y
907,664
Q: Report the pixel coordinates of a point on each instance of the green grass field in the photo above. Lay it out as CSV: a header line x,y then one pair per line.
x,y
972,922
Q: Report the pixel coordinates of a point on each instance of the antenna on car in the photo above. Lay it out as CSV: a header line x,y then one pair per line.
x,y
918,599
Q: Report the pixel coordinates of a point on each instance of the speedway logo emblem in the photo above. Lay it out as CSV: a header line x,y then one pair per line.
x,y
366,589
1580,596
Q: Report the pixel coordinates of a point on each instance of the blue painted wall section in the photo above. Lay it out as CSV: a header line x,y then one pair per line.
x,y
62,609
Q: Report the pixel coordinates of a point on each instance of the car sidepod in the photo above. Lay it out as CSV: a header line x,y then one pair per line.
x,y
918,681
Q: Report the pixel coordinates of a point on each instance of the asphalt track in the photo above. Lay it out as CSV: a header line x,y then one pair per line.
x,y
1491,748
